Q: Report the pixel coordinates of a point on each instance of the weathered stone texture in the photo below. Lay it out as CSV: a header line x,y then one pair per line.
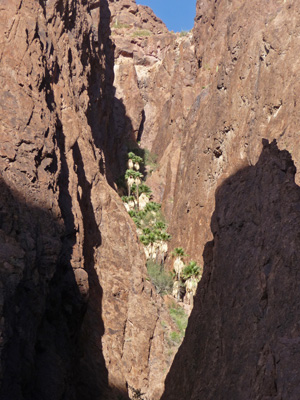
x,y
242,339
247,86
77,314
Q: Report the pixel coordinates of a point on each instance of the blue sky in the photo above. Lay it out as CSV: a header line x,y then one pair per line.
x,y
178,15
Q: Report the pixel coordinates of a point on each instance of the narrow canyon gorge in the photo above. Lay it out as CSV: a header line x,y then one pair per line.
x,y
210,119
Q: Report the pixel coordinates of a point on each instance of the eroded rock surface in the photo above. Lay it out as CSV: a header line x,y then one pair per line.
x,y
77,314
243,331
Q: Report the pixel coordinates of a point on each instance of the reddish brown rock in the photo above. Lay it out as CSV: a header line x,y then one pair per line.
x,y
77,314
243,331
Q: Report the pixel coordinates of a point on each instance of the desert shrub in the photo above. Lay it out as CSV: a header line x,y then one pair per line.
x,y
175,337
179,317
141,32
161,279
118,25
184,33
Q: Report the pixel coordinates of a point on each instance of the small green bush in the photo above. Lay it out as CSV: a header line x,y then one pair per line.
x,y
183,33
161,279
118,25
179,317
175,337
142,32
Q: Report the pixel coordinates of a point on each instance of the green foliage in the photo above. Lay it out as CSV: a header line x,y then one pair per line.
x,y
149,238
118,25
164,324
132,173
150,220
142,189
160,225
127,199
179,317
184,33
154,226
179,252
161,279
135,158
152,206
132,213
175,337
165,237
141,32
137,222
192,269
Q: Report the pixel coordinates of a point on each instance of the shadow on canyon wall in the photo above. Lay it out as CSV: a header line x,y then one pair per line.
x,y
43,307
45,352
111,127
241,337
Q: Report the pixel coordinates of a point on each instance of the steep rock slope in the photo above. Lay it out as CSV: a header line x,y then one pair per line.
x,y
77,315
248,80
243,334
203,102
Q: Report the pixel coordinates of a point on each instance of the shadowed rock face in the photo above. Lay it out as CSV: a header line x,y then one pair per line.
x,y
77,315
243,333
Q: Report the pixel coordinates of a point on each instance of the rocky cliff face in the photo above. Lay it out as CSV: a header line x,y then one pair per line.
x,y
77,315
215,95
246,90
204,102
80,81
244,329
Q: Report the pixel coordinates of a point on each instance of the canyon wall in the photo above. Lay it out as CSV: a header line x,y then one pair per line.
x,y
247,62
81,82
78,316
205,101
243,333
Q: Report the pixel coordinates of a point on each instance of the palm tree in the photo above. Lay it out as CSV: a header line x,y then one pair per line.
x,y
129,176
179,252
130,163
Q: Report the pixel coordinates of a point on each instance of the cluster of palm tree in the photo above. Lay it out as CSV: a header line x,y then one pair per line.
x,y
186,275
132,175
